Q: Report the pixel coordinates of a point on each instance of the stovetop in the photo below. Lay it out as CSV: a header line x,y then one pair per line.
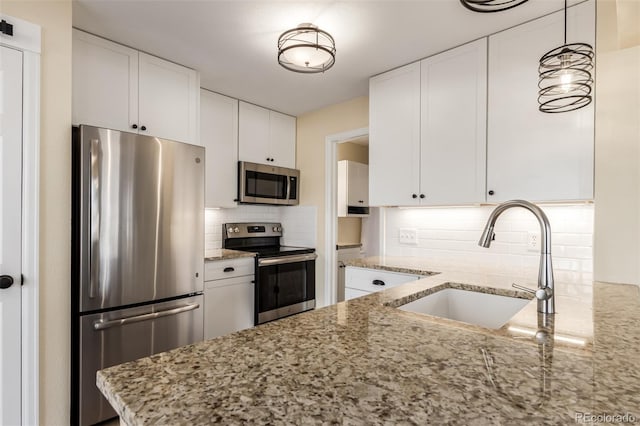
x,y
262,238
277,251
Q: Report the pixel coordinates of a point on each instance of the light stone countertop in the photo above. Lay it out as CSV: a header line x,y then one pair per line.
x,y
366,362
224,254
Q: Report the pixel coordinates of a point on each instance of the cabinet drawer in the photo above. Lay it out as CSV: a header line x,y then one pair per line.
x,y
363,279
219,269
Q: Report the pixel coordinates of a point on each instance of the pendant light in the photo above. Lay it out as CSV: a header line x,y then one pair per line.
x,y
306,49
565,76
489,6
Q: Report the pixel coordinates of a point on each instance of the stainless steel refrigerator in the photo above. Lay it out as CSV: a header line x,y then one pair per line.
x,y
137,255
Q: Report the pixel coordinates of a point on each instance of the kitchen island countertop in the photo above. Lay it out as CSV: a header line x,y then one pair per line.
x,y
365,362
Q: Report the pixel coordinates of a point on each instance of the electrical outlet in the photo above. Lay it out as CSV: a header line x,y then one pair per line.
x,y
408,236
533,241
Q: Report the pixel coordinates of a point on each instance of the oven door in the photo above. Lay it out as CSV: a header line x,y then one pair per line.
x,y
263,184
285,286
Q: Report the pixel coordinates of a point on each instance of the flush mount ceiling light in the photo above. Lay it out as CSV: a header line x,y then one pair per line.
x,y
306,49
565,76
488,6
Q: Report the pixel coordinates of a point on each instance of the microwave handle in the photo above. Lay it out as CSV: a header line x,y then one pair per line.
x,y
288,188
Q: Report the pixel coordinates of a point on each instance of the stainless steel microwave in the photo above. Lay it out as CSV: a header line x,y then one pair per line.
x,y
265,184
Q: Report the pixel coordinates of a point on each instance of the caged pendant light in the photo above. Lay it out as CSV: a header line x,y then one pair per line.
x,y
306,49
565,80
488,6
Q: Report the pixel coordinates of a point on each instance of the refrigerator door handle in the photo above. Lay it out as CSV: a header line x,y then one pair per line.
x,y
94,213
104,324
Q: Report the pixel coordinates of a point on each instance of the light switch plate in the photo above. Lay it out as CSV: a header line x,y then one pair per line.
x,y
408,236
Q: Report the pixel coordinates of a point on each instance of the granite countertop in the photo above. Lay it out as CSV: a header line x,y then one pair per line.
x,y
223,254
365,362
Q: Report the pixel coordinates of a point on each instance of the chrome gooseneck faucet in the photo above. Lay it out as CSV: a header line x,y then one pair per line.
x,y
544,293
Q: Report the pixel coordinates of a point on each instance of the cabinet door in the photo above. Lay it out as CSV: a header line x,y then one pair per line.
x,y
228,306
168,100
394,137
219,135
105,83
253,133
453,125
282,139
358,178
534,155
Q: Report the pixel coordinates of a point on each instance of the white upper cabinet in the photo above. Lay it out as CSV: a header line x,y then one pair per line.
x,y
427,143
394,137
105,83
534,155
266,137
219,135
453,125
353,188
120,88
168,97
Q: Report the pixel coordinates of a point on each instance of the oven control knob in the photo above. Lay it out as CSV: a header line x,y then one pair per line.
x,y
230,230
236,229
277,229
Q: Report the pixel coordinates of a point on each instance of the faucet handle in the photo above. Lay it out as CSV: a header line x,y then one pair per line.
x,y
541,293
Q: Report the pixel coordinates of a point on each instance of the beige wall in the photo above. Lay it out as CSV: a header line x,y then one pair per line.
x,y
354,152
55,214
349,228
617,163
313,128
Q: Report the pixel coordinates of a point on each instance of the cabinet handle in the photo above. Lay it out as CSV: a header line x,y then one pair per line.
x,y
229,269
421,195
414,195
143,128
134,126
491,192
378,282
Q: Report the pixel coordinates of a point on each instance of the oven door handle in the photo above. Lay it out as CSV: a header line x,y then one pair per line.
x,y
287,259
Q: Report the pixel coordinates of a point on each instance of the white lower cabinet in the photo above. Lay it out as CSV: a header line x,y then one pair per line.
x,y
363,281
228,296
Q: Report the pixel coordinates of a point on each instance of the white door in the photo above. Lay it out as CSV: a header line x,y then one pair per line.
x,y
10,234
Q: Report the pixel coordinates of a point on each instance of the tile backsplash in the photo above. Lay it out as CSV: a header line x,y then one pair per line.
x,y
450,236
298,222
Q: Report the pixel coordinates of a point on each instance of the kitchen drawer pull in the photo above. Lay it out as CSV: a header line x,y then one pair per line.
x,y
104,324
229,269
378,282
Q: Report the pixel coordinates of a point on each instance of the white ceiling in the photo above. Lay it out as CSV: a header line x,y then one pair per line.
x,y
233,43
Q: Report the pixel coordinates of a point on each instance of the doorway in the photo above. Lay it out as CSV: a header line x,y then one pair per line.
x,y
347,231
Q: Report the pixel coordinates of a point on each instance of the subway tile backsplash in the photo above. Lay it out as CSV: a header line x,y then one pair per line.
x,y
298,222
450,236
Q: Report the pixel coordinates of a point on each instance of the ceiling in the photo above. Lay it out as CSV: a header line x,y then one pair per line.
x,y
233,43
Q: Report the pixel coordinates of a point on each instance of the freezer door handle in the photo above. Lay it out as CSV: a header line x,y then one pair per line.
x,y
94,213
104,324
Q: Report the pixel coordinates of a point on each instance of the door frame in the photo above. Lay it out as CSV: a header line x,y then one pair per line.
x,y
27,38
331,209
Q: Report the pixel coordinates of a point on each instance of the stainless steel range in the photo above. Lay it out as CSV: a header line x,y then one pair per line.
x,y
285,275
